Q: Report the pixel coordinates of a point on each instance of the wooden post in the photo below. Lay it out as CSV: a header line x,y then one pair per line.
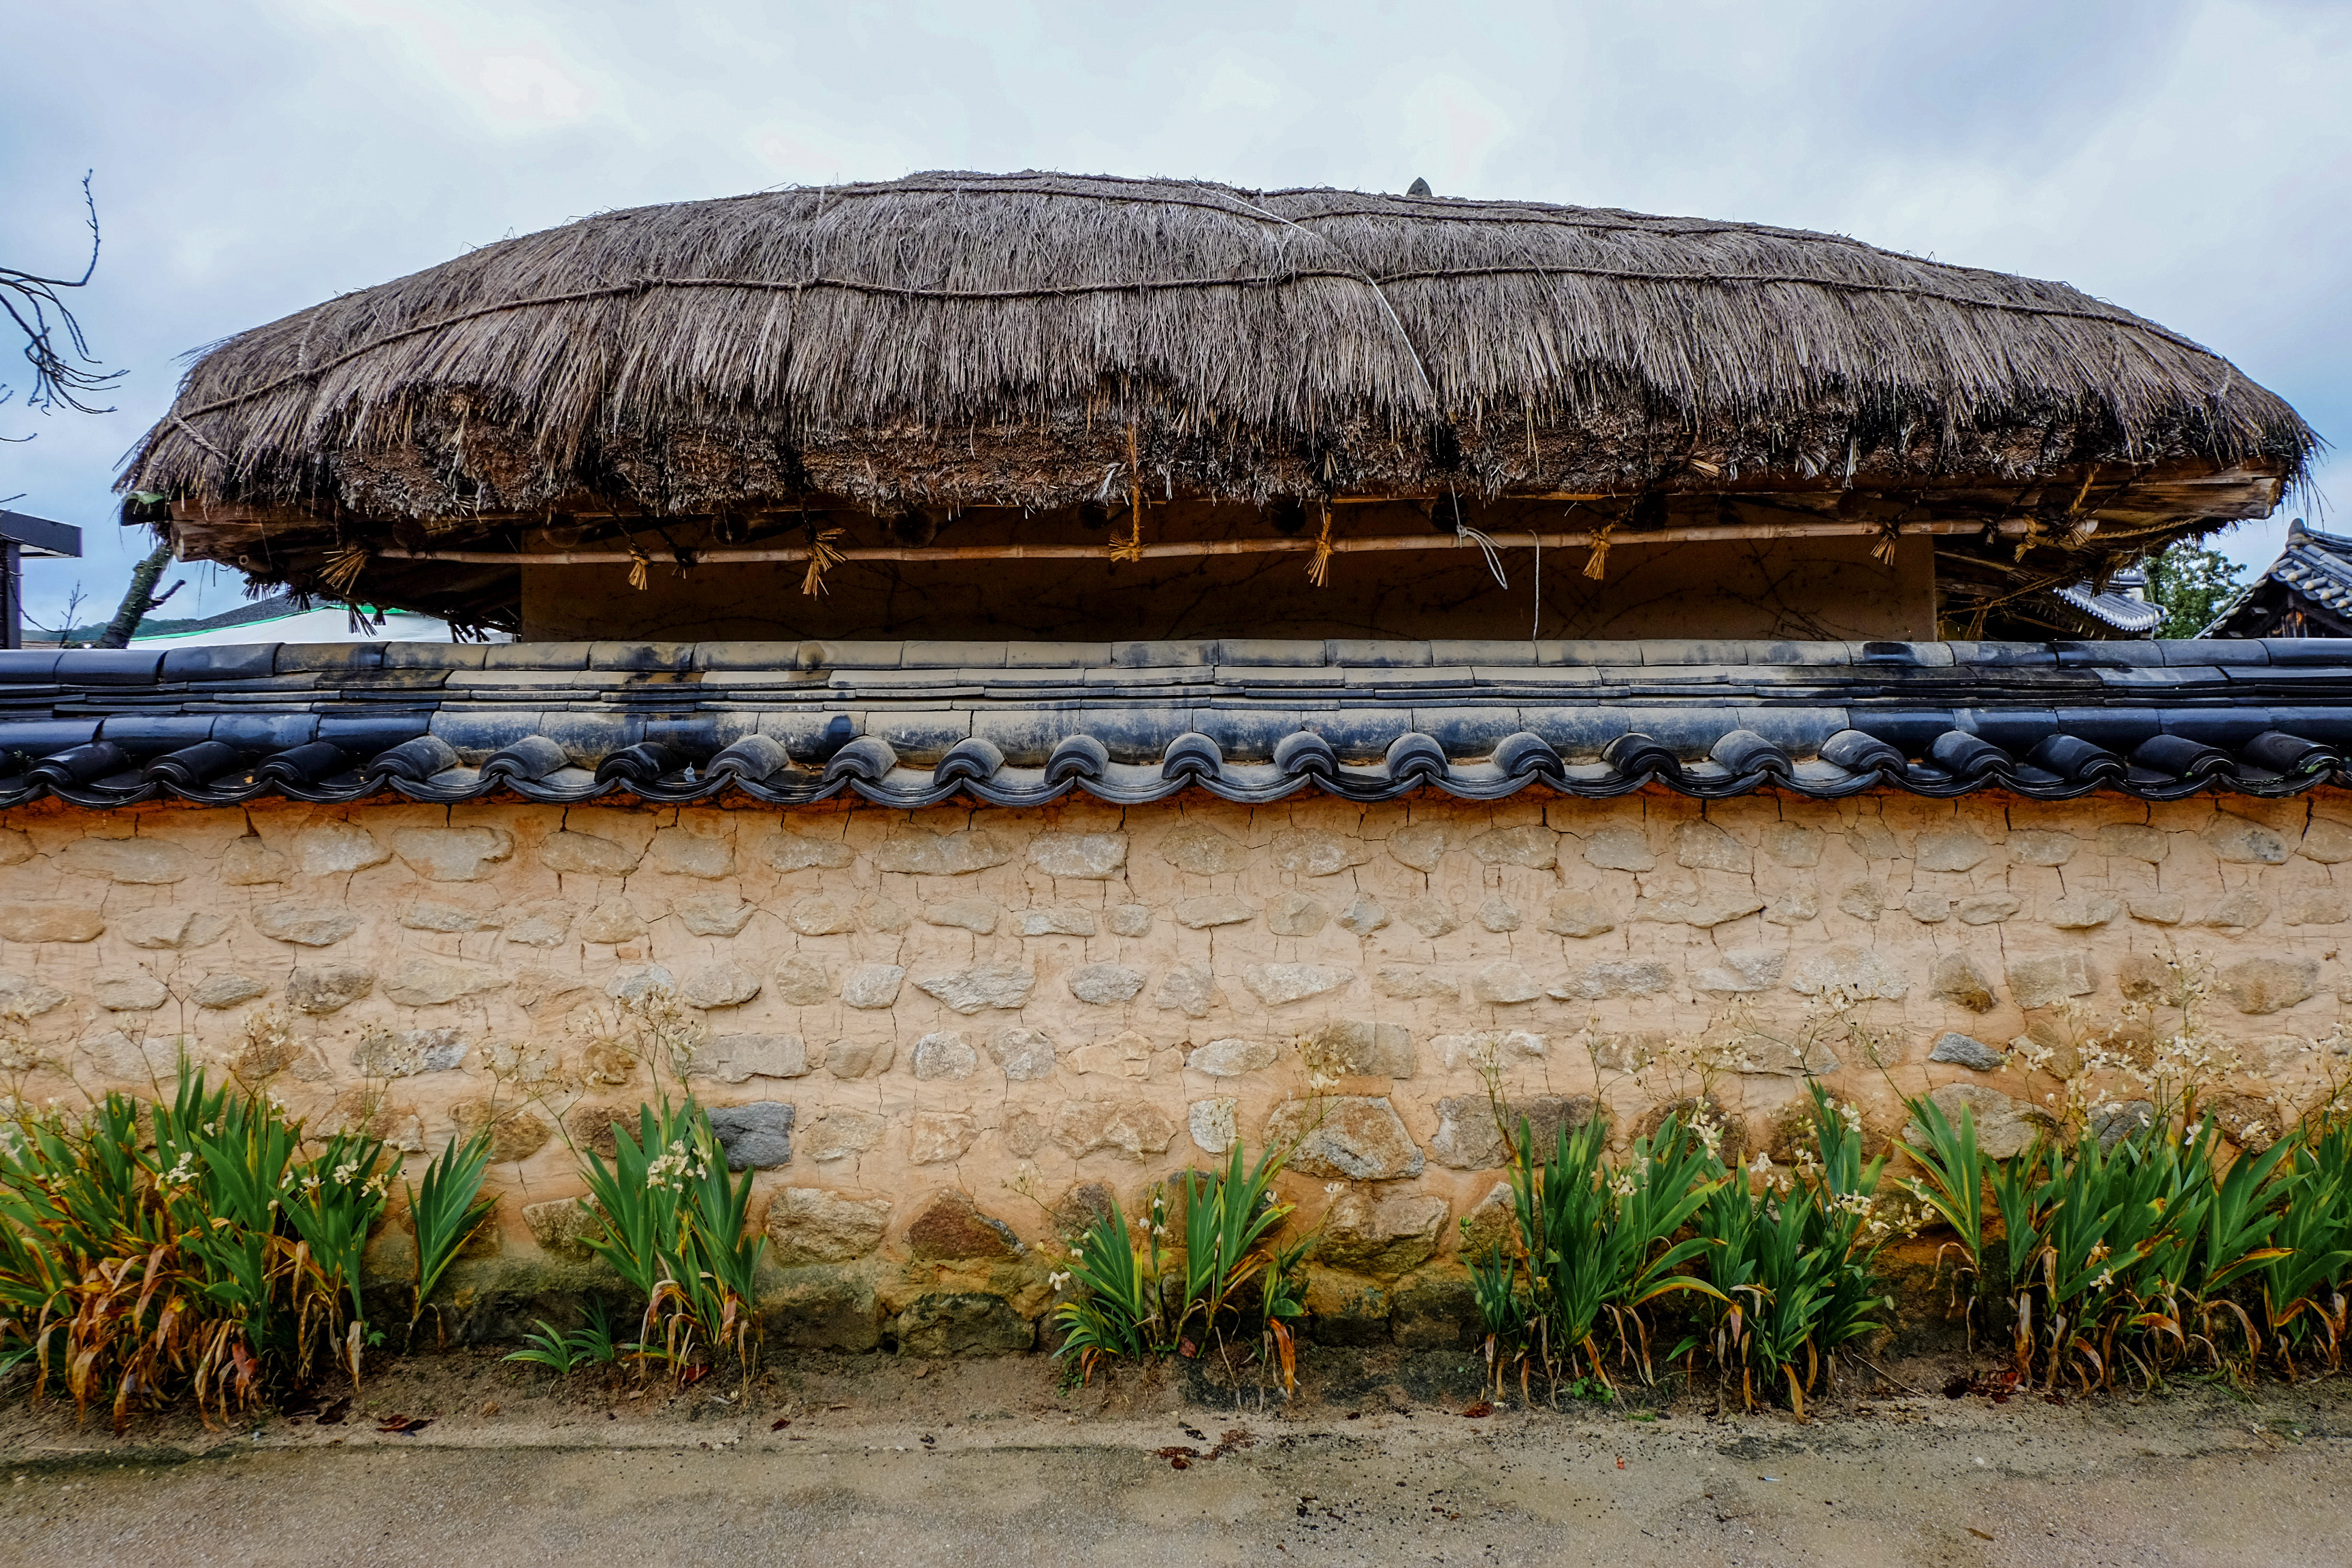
x,y
12,594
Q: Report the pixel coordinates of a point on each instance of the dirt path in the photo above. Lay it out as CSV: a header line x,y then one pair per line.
x,y
984,1465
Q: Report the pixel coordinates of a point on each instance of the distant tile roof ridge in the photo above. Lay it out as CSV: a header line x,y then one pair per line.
x,y
2122,611
2315,564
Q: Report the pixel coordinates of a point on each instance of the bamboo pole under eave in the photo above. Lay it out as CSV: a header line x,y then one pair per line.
x,y
1503,540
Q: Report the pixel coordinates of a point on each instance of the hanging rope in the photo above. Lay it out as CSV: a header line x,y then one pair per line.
x,y
1536,630
1131,547
1318,570
1467,534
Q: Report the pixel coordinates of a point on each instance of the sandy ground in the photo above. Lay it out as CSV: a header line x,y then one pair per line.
x,y
974,1464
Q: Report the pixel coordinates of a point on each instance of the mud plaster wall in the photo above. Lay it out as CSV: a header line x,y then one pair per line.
x,y
972,1002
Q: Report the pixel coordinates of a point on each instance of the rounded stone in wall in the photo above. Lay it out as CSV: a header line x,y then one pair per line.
x,y
799,980
789,851
1420,844
944,1054
139,862
812,1225
1197,847
1383,1235
1231,1057
872,986
305,925
171,929
227,991
953,1228
1026,1055
1312,852
683,852
720,985
1001,987
1095,857
917,851
27,997
50,923
128,991
1534,846
516,1132
1105,984
586,855
333,848
452,854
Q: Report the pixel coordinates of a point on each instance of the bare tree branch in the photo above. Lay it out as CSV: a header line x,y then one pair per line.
x,y
64,370
65,626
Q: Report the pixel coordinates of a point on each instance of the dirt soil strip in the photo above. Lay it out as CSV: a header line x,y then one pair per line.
x,y
982,1465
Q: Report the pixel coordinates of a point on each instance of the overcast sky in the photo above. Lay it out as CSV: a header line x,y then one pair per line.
x,y
2191,160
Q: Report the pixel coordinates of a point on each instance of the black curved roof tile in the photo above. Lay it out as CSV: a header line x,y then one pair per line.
x,y
911,723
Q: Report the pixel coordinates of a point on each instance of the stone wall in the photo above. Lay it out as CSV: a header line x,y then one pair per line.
x,y
929,1032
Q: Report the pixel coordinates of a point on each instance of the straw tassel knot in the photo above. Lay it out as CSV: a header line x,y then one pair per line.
x,y
342,570
822,555
1318,570
1596,566
1889,538
639,562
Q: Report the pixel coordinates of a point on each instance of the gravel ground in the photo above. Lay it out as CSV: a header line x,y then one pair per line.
x,y
980,1464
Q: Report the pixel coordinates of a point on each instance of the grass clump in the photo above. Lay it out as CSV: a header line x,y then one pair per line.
x,y
204,1245
1238,1288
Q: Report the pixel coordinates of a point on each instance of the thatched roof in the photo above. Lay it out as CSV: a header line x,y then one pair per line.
x,y
952,340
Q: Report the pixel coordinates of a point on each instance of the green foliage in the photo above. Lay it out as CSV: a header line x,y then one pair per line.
x,y
2154,1253
1794,1262
1784,1269
670,1221
565,1352
220,1260
1597,1243
1235,1273
2190,584
1118,1310
2302,1285
446,1211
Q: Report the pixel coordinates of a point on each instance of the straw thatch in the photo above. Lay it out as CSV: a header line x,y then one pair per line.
x,y
956,339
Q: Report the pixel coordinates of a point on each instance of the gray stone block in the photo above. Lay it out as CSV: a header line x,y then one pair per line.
x,y
756,1136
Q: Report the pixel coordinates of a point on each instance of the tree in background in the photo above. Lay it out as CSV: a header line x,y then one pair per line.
x,y
65,372
2190,584
140,598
